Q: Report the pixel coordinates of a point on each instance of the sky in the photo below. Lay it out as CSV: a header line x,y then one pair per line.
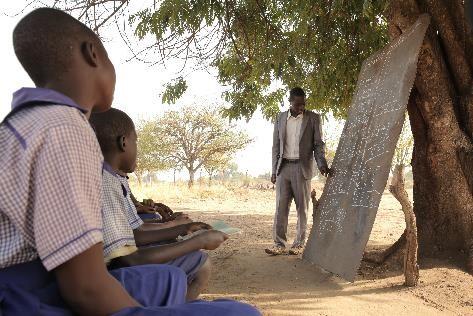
x,y
138,88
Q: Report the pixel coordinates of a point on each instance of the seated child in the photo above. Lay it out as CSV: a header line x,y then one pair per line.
x,y
51,166
117,138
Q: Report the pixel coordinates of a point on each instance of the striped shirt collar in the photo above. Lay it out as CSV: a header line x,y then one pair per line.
x,y
34,96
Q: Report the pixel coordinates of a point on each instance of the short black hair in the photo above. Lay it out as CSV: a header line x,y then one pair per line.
x,y
296,92
43,42
109,126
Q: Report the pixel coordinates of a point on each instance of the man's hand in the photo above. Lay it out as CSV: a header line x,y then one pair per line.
x,y
325,171
195,226
273,179
211,239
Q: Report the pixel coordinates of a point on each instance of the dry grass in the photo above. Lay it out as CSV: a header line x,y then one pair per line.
x,y
202,191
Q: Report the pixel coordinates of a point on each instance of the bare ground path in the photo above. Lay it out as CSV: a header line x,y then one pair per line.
x,y
286,285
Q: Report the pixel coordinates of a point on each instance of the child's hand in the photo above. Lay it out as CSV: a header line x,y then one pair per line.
x,y
193,227
148,202
178,215
182,220
165,216
211,239
164,207
145,209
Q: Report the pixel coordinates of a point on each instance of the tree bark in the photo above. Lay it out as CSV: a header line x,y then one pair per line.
x,y
138,177
397,188
191,178
380,257
440,111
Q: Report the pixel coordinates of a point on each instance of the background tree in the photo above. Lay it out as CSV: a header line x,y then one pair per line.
x,y
195,137
150,151
320,45
230,172
216,163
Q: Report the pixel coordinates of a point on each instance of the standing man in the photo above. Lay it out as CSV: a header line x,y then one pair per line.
x,y
297,140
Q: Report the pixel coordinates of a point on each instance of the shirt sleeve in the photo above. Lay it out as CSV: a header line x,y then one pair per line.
x,y
117,232
132,214
319,145
130,211
67,194
275,149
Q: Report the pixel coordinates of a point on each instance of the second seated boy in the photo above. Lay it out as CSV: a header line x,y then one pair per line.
x,y
127,240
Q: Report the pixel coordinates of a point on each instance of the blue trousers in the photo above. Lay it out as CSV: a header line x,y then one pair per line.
x,y
28,289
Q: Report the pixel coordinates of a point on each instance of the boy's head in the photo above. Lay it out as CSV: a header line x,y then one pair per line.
x,y
117,138
57,50
297,100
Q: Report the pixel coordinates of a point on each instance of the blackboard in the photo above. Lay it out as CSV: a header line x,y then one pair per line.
x,y
347,208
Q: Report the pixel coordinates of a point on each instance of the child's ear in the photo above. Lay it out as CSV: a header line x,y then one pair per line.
x,y
90,53
121,140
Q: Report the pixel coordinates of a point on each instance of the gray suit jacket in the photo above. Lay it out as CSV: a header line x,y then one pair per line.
x,y
310,143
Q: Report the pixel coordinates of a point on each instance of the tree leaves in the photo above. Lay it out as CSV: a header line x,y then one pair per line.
x,y
318,45
174,90
149,151
193,137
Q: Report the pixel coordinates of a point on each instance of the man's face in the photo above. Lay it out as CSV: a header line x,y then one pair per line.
x,y
297,104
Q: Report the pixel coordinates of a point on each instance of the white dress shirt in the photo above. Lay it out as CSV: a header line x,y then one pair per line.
x,y
293,131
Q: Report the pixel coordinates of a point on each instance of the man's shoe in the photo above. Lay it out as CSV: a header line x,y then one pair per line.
x,y
295,251
276,250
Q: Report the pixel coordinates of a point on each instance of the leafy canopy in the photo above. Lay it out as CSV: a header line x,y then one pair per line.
x,y
260,48
318,45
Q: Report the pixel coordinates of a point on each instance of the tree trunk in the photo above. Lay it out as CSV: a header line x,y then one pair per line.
x,y
174,177
441,115
210,177
138,177
397,188
191,178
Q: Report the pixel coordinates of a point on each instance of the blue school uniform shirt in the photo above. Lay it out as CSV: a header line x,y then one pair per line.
x,y
51,187
132,212
119,219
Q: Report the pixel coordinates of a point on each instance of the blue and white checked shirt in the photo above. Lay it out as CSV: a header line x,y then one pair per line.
x,y
119,219
50,192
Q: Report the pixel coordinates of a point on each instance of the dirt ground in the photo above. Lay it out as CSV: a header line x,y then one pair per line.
x,y
286,285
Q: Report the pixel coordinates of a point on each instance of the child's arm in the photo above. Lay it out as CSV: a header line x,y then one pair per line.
x,y
157,224
134,200
208,240
88,288
147,234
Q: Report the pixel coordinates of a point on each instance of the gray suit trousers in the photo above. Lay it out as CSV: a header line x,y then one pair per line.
x,y
291,184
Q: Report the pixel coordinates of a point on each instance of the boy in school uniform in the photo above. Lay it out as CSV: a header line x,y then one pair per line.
x,y
117,138
51,165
